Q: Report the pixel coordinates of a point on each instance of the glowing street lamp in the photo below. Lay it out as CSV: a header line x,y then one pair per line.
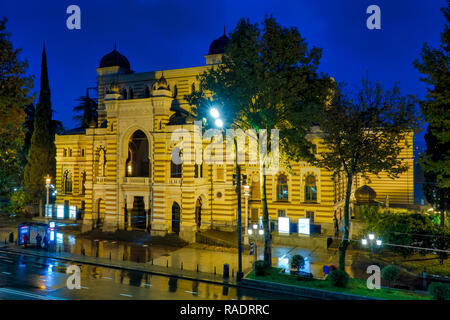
x,y
214,112
48,181
378,242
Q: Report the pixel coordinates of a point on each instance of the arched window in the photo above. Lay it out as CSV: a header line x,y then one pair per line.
x,y
67,182
147,92
131,95
124,94
310,188
282,188
176,169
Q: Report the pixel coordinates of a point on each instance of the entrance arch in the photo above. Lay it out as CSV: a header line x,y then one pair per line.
x,y
176,218
198,212
137,164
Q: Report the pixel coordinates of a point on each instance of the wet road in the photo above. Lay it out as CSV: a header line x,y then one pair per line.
x,y
37,278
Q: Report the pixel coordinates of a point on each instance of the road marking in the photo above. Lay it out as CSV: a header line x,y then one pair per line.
x,y
6,272
28,295
193,292
147,284
126,295
84,288
107,278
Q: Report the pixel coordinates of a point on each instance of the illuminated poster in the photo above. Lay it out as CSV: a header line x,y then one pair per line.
x,y
303,226
283,225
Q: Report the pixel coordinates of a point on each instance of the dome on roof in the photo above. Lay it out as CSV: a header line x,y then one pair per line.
x,y
218,45
162,83
115,59
365,194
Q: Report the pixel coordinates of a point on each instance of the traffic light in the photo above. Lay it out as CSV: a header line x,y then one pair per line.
x,y
244,179
234,179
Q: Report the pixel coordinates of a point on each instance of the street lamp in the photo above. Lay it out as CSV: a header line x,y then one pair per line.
x,y
48,182
247,194
253,234
378,242
214,112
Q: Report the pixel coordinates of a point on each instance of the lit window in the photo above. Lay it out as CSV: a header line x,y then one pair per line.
x,y
282,188
67,182
310,188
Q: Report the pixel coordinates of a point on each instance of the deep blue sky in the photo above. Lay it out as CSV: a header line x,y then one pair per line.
x,y
164,34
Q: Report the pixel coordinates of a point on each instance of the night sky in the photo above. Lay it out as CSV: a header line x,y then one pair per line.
x,y
158,35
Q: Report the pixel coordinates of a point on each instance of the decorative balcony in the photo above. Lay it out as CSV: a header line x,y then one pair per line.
x,y
174,180
100,179
136,180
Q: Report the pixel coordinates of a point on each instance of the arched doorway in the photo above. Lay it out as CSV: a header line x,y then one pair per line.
x,y
198,212
137,164
176,218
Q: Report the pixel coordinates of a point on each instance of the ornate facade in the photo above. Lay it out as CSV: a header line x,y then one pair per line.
x,y
119,174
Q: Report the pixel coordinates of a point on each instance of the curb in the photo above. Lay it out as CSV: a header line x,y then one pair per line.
x,y
304,292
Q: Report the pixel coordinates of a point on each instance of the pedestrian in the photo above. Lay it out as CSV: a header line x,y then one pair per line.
x,y
25,240
38,241
329,242
45,242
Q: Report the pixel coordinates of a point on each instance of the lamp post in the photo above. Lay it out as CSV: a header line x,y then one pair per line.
x,y
253,233
246,195
219,123
378,242
48,182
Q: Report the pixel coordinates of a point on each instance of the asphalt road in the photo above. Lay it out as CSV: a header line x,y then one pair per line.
x,y
36,278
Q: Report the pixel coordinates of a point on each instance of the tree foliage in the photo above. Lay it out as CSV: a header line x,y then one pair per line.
x,y
435,66
268,79
15,89
363,134
41,159
86,110
403,231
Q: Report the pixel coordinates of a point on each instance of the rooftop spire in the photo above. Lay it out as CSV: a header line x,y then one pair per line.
x,y
115,44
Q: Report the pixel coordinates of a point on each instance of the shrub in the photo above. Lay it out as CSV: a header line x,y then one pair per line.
x,y
297,262
439,291
17,202
339,278
261,268
390,273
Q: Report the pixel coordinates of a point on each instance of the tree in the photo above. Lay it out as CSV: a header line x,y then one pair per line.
x,y
87,110
434,65
364,134
435,157
267,79
42,155
15,89
28,126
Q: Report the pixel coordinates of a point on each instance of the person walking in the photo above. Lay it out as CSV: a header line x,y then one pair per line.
x,y
25,240
45,242
38,241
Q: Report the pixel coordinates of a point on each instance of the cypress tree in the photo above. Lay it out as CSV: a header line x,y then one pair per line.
x,y
42,153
